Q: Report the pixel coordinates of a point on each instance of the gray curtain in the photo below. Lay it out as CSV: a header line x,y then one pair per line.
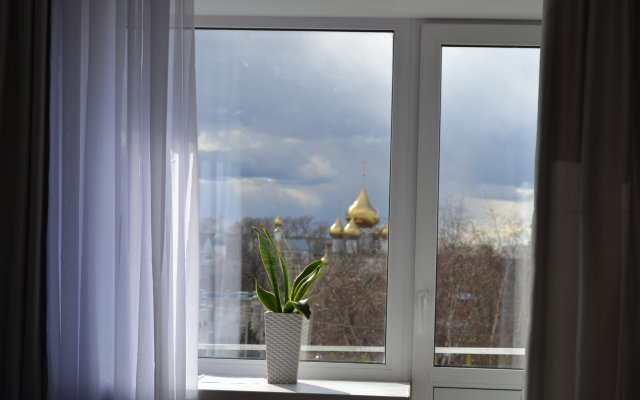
x,y
585,327
23,197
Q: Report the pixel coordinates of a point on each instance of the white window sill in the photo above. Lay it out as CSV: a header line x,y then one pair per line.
x,y
215,387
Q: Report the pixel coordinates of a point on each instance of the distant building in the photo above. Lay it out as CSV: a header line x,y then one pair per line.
x,y
361,233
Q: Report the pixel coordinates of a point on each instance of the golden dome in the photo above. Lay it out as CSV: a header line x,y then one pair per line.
x,y
351,231
277,221
336,229
384,231
362,212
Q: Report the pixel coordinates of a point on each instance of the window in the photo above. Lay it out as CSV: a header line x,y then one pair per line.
x,y
485,207
295,135
476,160
294,132
424,341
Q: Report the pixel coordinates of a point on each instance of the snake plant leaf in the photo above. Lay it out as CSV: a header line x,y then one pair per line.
x,y
288,308
270,266
302,307
293,293
283,265
267,299
308,270
302,288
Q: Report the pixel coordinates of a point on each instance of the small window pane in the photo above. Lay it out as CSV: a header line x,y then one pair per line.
x,y
294,128
487,150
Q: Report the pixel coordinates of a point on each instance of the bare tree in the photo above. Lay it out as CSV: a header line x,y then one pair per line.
x,y
350,305
475,282
477,266
349,301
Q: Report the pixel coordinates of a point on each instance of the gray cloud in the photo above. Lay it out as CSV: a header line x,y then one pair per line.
x,y
288,84
489,112
285,118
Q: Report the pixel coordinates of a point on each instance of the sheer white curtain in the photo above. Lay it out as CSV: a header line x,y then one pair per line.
x,y
123,232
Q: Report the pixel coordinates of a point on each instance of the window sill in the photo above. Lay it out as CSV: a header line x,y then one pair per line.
x,y
215,387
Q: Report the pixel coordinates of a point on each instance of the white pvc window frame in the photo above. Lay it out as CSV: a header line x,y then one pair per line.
x,y
436,34
399,322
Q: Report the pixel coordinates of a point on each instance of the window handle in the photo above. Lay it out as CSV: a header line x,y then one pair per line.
x,y
423,298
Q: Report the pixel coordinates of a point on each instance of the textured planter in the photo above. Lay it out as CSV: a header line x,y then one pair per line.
x,y
282,334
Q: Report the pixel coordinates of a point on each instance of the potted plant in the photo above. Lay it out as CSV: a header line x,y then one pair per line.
x,y
286,305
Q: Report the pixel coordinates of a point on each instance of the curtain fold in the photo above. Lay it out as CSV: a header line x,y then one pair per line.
x,y
23,203
586,315
123,259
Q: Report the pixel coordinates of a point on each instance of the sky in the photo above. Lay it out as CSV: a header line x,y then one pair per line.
x,y
286,119
488,128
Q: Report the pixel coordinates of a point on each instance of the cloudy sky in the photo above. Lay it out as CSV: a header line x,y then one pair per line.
x,y
488,128
285,120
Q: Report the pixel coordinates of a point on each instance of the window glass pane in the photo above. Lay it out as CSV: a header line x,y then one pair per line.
x,y
294,127
487,150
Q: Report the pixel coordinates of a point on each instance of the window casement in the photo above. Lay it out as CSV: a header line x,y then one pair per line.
x,y
438,158
391,361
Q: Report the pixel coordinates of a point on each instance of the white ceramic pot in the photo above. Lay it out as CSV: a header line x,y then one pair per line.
x,y
282,334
